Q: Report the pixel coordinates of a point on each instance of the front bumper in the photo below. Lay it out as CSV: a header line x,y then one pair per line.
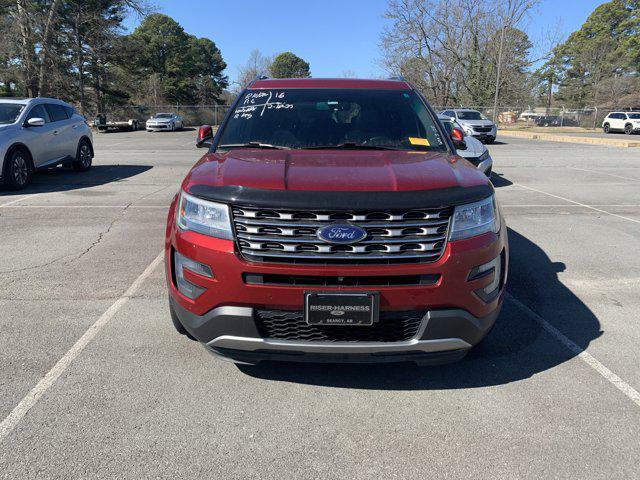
x,y
484,136
158,126
231,333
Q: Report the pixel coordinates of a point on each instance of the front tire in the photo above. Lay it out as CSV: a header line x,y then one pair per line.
x,y
84,157
628,129
606,128
17,172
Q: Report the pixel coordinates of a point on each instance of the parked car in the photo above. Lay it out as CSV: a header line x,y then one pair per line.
x,y
548,121
474,123
528,116
41,132
331,220
627,122
555,121
476,152
165,121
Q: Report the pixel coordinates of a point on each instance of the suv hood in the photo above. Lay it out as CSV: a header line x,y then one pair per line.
x,y
475,148
328,170
476,123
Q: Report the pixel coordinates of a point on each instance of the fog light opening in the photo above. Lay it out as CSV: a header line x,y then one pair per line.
x,y
184,286
495,269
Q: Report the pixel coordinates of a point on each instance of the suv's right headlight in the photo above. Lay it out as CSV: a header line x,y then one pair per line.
x,y
202,216
475,219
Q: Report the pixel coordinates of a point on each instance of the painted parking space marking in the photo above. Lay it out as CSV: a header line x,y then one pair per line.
x,y
31,399
128,207
20,199
577,203
630,179
581,353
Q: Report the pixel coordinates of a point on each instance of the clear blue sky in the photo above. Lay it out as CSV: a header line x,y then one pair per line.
x,y
332,35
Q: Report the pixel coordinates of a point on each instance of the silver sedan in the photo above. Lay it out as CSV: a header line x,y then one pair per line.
x,y
165,121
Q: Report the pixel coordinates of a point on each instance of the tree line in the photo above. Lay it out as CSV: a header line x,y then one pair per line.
x,y
474,53
477,52
78,50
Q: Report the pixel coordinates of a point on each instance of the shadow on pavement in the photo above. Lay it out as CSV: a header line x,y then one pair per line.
x,y
498,180
516,349
61,179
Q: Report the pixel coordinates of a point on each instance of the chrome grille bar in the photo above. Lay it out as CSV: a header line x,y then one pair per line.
x,y
291,235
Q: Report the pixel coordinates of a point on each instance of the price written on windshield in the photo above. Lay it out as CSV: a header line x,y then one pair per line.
x,y
259,102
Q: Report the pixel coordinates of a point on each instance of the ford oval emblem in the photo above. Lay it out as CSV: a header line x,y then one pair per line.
x,y
341,234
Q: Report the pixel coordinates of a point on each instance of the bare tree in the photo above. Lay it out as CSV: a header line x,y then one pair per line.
x,y
449,49
257,64
511,14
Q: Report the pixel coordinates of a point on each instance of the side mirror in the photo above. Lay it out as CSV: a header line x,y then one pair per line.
x,y
457,136
205,135
35,122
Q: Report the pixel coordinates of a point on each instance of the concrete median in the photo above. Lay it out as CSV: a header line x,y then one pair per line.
x,y
566,138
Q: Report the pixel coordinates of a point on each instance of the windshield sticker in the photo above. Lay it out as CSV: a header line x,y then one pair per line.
x,y
419,141
259,102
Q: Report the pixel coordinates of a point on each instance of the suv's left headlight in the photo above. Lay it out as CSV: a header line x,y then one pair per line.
x,y
475,219
484,156
202,216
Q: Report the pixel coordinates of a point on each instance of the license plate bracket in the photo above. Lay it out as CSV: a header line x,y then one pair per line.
x,y
341,308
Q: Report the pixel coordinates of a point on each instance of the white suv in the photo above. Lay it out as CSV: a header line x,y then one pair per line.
x,y
627,122
38,133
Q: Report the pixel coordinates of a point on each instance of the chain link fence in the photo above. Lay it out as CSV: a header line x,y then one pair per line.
x,y
517,117
193,115
508,117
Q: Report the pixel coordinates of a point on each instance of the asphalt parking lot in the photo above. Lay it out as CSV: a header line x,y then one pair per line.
x,y
95,383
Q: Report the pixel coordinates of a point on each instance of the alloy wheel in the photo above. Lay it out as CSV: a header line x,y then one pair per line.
x,y
85,155
20,170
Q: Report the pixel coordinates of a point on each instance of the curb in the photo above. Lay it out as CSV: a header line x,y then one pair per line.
x,y
610,142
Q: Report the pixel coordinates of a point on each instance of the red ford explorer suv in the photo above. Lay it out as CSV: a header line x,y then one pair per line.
x,y
332,221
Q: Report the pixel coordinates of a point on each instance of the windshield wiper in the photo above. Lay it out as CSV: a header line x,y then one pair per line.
x,y
351,146
253,145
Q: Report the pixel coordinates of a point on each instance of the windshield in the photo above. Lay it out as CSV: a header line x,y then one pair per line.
x,y
328,118
633,115
162,115
9,112
471,115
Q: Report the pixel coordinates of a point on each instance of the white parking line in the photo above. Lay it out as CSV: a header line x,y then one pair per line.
x,y
582,354
564,205
128,207
631,179
577,203
19,199
18,413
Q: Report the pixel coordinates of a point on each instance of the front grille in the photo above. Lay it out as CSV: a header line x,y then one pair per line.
x,y
290,235
482,129
287,325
